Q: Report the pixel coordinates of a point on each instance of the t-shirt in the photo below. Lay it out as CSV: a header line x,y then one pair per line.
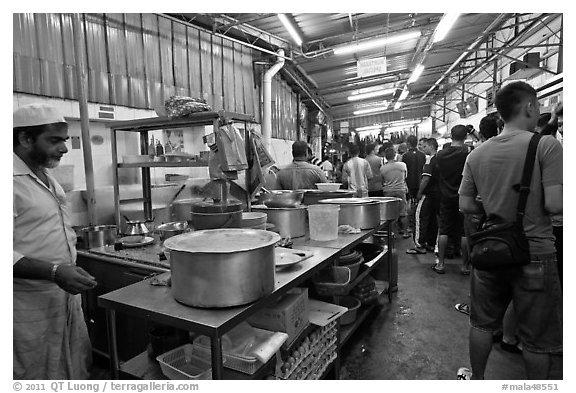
x,y
394,176
326,166
299,175
356,172
414,160
431,170
375,183
495,166
451,161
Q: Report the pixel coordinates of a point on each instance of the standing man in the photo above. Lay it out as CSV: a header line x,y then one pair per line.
x,y
414,160
428,198
393,175
49,333
356,173
299,174
492,170
375,183
450,161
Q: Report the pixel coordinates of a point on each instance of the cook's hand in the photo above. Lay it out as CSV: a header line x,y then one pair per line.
x,y
74,279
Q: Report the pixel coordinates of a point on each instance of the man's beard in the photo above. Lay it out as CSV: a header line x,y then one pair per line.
x,y
42,159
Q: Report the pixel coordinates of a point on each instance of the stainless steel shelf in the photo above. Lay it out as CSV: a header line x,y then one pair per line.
x,y
163,165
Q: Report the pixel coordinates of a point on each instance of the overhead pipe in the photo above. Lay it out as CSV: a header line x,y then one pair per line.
x,y
267,98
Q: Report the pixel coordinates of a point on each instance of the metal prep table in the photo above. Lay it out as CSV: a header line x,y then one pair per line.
x,y
156,302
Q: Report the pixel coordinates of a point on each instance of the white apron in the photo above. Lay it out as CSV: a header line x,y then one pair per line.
x,y
50,335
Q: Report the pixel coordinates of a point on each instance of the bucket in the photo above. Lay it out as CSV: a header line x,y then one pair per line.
x,y
254,220
323,222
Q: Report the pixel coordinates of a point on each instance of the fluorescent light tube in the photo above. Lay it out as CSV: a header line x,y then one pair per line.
x,y
403,95
375,43
290,29
397,105
416,73
444,26
370,110
368,128
404,123
372,94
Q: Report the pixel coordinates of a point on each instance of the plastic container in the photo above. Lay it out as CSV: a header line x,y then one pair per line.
x,y
323,222
353,305
332,281
328,186
182,363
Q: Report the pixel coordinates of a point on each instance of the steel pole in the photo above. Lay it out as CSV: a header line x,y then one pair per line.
x,y
82,87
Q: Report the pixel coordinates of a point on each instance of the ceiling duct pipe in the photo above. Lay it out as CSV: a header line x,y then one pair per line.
x,y
267,98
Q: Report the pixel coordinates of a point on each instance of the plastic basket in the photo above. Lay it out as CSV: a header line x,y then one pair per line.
x,y
333,281
182,363
244,364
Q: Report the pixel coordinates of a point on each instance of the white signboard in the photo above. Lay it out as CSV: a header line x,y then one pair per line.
x,y
368,67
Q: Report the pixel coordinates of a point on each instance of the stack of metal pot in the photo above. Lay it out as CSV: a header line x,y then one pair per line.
x,y
212,215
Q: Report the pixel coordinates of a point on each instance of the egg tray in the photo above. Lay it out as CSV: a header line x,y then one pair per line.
x,y
309,358
312,350
326,332
317,374
315,364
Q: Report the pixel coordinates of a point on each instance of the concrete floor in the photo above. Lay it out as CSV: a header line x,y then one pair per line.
x,y
420,336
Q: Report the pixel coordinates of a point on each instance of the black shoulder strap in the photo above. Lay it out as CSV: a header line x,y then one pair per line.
x,y
527,176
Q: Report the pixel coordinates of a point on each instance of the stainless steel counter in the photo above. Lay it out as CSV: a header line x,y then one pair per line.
x,y
157,303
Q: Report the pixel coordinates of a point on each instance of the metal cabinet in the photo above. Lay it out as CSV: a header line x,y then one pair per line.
x,y
132,331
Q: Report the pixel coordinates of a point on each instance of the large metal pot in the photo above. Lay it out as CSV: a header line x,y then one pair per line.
x,y
97,236
312,197
289,222
389,207
281,198
222,267
360,213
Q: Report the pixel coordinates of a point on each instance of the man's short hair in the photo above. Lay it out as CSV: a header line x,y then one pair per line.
x,y
402,148
488,126
299,149
354,150
459,132
385,146
510,97
432,142
370,147
390,153
412,141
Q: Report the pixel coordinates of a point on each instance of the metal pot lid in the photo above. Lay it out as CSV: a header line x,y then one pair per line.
x,y
349,201
335,192
222,241
264,207
211,207
385,199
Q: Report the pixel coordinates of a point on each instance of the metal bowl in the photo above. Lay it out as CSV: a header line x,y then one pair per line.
x,y
171,229
282,198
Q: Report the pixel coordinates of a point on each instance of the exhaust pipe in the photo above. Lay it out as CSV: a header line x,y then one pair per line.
x,y
267,98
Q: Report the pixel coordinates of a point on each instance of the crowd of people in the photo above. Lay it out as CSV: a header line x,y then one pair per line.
x,y
448,192
445,194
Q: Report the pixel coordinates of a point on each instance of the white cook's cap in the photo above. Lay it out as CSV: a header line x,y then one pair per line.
x,y
36,115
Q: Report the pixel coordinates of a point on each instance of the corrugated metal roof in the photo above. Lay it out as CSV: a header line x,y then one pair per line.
x,y
335,76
